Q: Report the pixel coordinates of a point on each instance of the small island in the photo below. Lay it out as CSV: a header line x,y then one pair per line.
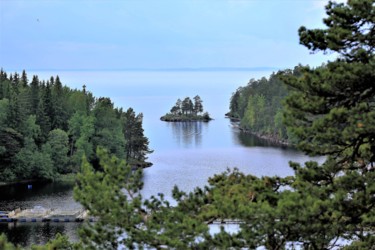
x,y
186,111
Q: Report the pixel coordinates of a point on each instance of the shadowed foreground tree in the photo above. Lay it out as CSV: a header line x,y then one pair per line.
x,y
331,111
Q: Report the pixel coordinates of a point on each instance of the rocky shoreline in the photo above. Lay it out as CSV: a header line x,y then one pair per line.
x,y
268,137
170,118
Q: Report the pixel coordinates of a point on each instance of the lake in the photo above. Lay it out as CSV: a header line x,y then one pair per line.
x,y
185,154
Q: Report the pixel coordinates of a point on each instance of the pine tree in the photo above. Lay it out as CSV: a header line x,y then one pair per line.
x,y
187,106
331,112
339,95
198,106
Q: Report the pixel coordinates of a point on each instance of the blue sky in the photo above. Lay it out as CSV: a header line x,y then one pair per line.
x,y
130,34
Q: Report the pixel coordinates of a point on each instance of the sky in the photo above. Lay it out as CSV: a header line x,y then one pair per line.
x,y
176,34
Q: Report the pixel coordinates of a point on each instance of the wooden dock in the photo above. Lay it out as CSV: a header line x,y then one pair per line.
x,y
40,214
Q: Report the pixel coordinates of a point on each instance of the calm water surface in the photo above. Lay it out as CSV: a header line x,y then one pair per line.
x,y
186,154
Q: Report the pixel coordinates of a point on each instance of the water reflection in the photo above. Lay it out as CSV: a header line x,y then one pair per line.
x,y
26,234
46,194
249,140
188,134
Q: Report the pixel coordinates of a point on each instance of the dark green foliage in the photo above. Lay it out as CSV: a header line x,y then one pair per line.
x,y
59,106
5,245
334,99
10,144
258,107
338,98
121,211
58,141
34,95
331,112
186,110
59,242
46,129
81,131
108,129
24,79
198,106
187,106
136,145
350,31
14,117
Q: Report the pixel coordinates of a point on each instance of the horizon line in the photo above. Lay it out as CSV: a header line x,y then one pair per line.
x,y
156,69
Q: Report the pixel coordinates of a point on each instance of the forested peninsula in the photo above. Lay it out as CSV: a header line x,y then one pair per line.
x,y
46,129
258,109
186,110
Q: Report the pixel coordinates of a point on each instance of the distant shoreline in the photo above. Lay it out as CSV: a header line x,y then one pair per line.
x,y
187,69
266,137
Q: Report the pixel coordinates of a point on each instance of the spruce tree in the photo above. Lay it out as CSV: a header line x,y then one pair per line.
x,y
60,114
35,93
24,79
136,146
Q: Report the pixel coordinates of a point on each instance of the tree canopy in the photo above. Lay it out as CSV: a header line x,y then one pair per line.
x,y
187,110
46,128
257,106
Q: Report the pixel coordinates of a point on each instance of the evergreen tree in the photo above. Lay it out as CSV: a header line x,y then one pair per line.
x,y
14,115
15,80
176,109
43,120
58,141
108,128
35,93
4,244
339,95
256,106
136,147
46,129
331,112
198,106
81,131
187,106
60,114
179,106
24,79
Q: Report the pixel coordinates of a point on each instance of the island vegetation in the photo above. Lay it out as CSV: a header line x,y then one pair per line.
x,y
186,110
46,128
330,109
